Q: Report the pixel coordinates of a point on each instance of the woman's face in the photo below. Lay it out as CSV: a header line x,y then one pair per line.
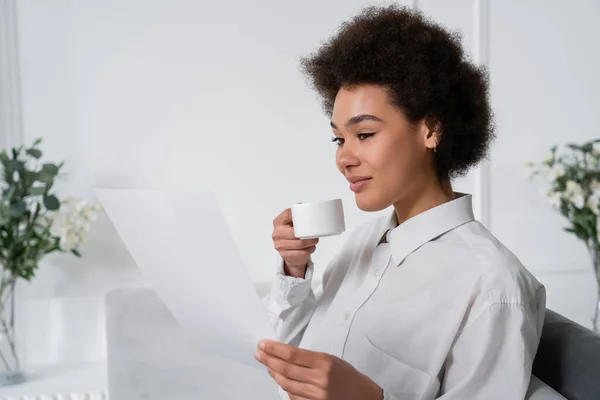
x,y
385,158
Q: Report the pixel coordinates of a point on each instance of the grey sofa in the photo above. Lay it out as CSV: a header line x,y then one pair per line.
x,y
568,359
151,357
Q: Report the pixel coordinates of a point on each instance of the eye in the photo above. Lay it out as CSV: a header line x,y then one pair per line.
x,y
363,136
337,140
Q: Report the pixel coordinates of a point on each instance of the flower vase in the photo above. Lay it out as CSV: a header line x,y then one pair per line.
x,y
596,264
596,323
10,347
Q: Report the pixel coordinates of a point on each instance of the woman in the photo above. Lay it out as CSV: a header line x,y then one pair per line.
x,y
424,303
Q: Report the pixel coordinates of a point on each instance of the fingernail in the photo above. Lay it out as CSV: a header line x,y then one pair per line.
x,y
261,345
257,355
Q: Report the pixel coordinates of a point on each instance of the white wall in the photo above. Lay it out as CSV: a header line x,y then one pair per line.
x,y
189,94
546,90
196,94
178,94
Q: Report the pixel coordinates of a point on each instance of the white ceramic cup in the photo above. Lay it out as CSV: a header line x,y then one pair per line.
x,y
318,219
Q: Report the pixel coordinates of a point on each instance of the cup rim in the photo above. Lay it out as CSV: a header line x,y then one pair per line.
x,y
317,202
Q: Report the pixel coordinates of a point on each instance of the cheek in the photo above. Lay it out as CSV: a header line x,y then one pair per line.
x,y
397,165
389,159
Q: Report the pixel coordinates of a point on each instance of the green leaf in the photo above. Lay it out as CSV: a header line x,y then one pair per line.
x,y
586,148
10,192
45,177
26,274
571,230
17,209
51,202
29,177
77,253
579,230
50,169
37,141
35,153
4,157
564,208
49,186
16,165
36,191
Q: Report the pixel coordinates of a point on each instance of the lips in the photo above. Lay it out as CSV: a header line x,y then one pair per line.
x,y
354,179
358,183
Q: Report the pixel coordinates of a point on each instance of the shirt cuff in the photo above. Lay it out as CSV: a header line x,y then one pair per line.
x,y
290,290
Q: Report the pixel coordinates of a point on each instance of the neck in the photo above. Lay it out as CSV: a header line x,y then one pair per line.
x,y
447,188
419,201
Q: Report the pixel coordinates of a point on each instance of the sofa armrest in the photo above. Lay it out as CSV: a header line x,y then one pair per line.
x,y
568,358
538,390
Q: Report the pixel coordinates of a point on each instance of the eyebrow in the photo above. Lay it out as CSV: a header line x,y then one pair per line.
x,y
357,119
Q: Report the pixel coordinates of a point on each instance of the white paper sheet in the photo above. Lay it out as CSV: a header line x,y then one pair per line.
x,y
184,248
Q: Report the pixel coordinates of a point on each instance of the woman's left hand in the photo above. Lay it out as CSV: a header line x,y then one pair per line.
x,y
306,374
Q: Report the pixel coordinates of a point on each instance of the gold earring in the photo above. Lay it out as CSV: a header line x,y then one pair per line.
x,y
435,148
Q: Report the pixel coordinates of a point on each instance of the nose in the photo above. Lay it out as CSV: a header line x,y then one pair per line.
x,y
347,157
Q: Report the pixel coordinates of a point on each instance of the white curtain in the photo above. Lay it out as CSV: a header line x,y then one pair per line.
x,y
11,132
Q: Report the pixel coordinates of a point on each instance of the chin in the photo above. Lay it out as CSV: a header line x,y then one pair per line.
x,y
370,203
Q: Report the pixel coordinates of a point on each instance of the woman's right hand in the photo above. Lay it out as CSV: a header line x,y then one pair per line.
x,y
294,252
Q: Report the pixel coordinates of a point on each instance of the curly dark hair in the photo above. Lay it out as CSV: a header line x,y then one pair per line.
x,y
425,71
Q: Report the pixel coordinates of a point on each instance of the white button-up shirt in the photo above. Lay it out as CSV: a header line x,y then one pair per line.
x,y
435,307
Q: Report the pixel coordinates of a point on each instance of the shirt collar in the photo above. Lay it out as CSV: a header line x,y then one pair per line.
x,y
426,226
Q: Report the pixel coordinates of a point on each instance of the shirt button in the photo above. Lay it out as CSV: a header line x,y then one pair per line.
x,y
347,315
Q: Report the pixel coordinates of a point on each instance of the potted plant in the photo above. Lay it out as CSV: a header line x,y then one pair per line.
x,y
34,222
572,178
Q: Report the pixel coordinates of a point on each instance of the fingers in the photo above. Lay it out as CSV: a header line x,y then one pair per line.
x,y
285,218
289,353
294,397
297,255
294,244
298,390
287,369
283,232
287,233
294,251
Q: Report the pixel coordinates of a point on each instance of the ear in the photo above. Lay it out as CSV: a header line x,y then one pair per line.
x,y
431,129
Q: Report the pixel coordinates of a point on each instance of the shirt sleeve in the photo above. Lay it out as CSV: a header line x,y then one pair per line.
x,y
493,357
290,304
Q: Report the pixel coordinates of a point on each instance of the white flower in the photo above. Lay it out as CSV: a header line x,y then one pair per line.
x,y
549,158
559,170
555,172
596,153
73,222
574,194
593,202
553,198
